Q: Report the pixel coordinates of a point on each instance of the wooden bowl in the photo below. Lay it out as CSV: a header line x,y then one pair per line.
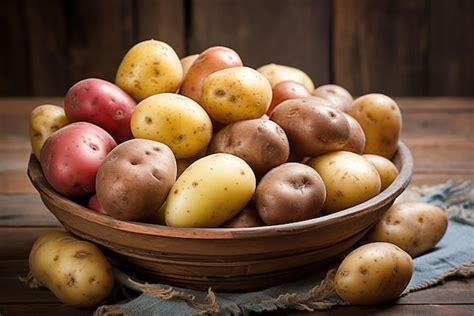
x,y
236,259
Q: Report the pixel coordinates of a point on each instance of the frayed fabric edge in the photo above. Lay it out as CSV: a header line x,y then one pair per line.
x,y
465,270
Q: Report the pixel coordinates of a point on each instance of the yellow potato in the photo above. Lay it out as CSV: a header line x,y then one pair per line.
x,y
184,163
416,227
186,63
75,271
374,273
236,94
44,120
388,172
381,120
148,68
277,73
210,191
174,120
349,179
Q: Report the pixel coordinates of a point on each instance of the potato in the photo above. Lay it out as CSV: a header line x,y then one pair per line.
x,y
312,128
416,227
75,271
236,94
248,217
186,63
209,61
260,142
349,179
210,191
44,120
148,68
174,120
289,193
135,178
101,103
277,73
374,273
356,141
72,155
184,163
381,120
94,205
286,90
386,169
337,95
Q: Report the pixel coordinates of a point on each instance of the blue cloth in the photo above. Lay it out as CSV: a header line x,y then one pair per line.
x,y
453,251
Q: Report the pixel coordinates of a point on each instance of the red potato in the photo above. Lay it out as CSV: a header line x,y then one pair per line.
x,y
286,90
101,103
211,60
72,155
94,204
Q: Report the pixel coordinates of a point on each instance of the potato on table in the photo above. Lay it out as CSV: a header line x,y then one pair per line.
x,y
374,273
75,271
416,227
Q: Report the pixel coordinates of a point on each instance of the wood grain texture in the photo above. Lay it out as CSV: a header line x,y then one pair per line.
x,y
262,32
14,53
380,46
162,20
451,43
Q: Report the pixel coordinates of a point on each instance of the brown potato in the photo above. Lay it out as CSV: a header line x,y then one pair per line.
x,y
135,178
416,227
260,142
289,193
381,120
211,60
388,172
337,95
286,90
248,217
356,141
312,128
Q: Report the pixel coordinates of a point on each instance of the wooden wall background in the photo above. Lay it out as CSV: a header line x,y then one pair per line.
x,y
397,47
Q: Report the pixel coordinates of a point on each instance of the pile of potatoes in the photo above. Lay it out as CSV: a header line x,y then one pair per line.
x,y
208,142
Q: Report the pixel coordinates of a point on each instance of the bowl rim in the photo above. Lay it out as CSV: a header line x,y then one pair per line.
x,y
380,200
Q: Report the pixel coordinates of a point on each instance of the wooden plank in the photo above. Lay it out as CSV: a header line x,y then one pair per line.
x,y
268,31
25,210
388,310
48,41
451,43
17,241
380,46
162,20
101,34
14,62
42,310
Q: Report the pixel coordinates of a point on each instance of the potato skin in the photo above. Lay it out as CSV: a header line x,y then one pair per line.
x,y
286,90
44,120
71,157
236,94
311,127
135,178
148,68
260,142
101,103
174,120
381,120
277,73
373,273
337,95
388,172
416,227
94,205
209,61
349,179
75,271
210,192
186,63
356,141
289,193
248,217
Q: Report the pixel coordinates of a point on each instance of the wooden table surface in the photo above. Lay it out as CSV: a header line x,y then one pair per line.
x,y
439,132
